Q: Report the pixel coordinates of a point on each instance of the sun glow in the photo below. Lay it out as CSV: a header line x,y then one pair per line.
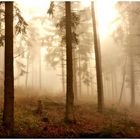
x,y
85,3
106,13
43,51
32,8
33,3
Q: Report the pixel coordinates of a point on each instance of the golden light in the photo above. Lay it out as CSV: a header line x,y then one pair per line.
x,y
106,13
32,8
33,3
43,51
85,3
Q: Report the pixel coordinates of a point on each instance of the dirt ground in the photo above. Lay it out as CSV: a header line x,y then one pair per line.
x,y
112,123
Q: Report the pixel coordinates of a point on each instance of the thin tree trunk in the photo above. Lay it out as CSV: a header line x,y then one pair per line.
x,y
131,57
123,81
40,70
91,78
104,82
88,83
26,84
108,89
2,52
8,113
98,62
69,116
63,71
91,86
0,24
132,80
115,85
80,79
32,73
75,75
112,85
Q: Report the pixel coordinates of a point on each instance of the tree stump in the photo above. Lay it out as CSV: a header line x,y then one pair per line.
x,y
39,107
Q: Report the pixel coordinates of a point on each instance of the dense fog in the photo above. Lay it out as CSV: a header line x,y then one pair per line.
x,y
76,69
38,63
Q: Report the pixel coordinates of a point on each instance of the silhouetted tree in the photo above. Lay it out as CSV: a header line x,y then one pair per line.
x,y
8,114
98,62
69,116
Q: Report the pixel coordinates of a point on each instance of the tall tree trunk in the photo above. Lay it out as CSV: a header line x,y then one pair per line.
x,y
63,71
32,73
132,80
123,80
40,70
98,62
80,78
8,113
75,75
91,80
69,116
0,24
2,49
108,83
26,82
104,82
112,86
115,85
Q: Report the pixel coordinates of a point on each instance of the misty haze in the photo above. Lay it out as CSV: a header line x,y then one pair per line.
x,y
69,69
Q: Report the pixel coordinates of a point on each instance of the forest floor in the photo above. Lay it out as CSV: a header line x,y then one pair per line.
x,y
112,123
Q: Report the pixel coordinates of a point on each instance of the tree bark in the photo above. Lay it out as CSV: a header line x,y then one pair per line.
x,y
69,116
8,114
98,62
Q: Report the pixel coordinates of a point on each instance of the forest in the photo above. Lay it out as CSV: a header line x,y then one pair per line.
x,y
69,69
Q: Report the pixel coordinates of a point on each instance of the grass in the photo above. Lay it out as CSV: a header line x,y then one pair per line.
x,y
112,123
